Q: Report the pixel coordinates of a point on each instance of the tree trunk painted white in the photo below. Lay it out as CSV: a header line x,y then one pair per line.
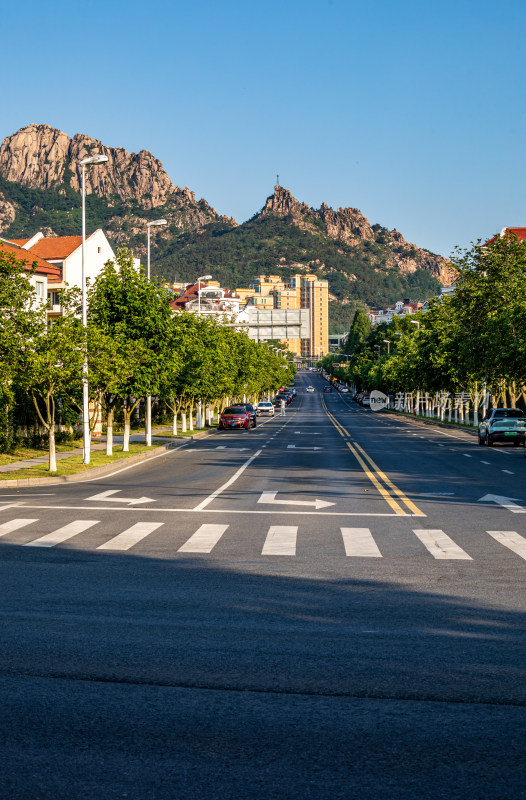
x,y
199,416
109,433
126,438
148,422
417,406
174,425
52,450
183,422
191,419
449,410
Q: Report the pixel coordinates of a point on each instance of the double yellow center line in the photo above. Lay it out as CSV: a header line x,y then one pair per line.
x,y
379,479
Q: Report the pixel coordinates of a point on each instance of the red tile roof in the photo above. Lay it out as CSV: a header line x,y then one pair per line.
x,y
520,233
29,258
53,247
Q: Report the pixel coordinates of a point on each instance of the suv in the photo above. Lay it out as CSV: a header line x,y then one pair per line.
x,y
504,425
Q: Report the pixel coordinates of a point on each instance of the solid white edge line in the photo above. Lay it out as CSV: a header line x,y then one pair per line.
x,y
229,482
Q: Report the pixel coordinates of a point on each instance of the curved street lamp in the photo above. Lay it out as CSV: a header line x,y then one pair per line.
x,y
148,422
98,159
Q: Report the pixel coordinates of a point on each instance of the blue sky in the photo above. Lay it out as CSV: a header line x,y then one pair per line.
x,y
413,112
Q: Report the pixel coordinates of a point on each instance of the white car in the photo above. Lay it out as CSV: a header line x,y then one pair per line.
x,y
265,407
310,388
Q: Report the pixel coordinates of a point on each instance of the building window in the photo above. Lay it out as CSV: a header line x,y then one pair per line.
x,y
99,249
39,289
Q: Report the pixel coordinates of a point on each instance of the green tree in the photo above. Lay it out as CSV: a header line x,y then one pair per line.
x,y
136,314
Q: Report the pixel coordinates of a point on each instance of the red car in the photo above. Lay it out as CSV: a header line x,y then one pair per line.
x,y
235,417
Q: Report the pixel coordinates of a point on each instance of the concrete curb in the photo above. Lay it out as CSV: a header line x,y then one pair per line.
x,y
95,471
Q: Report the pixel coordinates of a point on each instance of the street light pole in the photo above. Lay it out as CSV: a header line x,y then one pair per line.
x,y
98,159
148,421
388,343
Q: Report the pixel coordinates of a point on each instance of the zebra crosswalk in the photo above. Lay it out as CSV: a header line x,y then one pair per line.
x,y
279,540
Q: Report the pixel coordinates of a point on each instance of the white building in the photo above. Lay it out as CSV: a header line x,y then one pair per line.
x,y
65,254
40,273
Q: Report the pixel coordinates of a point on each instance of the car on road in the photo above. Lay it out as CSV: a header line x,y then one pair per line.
x,y
286,395
365,400
252,411
506,425
327,388
344,389
235,417
310,388
265,407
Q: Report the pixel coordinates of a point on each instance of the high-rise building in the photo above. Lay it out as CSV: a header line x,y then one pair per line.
x,y
299,291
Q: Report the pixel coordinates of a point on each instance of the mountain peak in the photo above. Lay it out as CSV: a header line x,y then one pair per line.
x,y
43,157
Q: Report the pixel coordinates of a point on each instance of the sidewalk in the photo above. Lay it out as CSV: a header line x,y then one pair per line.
x,y
100,444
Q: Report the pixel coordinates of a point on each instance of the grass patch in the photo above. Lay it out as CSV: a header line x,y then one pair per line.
x,y
22,453
73,464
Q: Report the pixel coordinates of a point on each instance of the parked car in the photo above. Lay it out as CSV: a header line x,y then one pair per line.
x,y
252,411
287,396
265,407
234,417
365,400
503,425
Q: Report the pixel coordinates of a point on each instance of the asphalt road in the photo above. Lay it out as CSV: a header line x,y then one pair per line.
x,y
328,606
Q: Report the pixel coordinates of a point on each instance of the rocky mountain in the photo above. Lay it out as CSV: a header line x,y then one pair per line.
x,y
131,188
349,226
364,264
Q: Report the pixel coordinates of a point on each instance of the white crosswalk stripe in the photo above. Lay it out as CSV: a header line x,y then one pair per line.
x,y
204,539
360,542
440,545
512,540
131,536
280,541
14,525
63,534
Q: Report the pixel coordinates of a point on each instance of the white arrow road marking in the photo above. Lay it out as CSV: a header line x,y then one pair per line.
x,y
308,432
131,501
294,447
270,497
505,502
221,447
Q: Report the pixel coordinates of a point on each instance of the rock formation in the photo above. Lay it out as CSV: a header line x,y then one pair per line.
x,y
348,225
43,157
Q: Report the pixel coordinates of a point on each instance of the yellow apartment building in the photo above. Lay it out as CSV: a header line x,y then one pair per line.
x,y
299,291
